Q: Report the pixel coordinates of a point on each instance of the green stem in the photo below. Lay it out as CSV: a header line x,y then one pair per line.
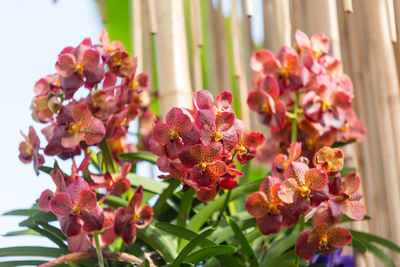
x,y
221,213
107,157
301,228
98,249
295,116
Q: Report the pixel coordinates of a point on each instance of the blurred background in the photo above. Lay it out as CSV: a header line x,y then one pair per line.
x,y
188,45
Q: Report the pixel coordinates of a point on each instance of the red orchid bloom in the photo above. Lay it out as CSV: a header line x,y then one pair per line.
x,y
321,240
345,197
318,44
29,150
266,102
77,207
79,242
247,149
129,218
281,161
330,160
116,185
171,137
75,124
203,99
204,163
264,205
302,183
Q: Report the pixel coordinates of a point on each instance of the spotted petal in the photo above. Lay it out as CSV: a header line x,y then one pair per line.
x,y
257,204
288,190
61,204
339,237
354,210
270,224
316,179
303,248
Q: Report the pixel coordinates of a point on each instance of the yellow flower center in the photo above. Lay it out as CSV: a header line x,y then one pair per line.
x,y
76,210
345,127
79,68
326,105
285,73
135,85
29,151
202,166
123,122
266,108
304,191
73,128
318,53
323,241
174,135
242,150
218,136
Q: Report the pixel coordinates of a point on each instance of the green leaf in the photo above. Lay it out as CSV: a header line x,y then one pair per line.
x,y
53,237
376,239
32,251
111,166
45,169
189,235
161,205
345,171
208,252
248,252
159,241
23,263
244,221
359,245
340,144
185,206
140,156
281,245
115,201
148,184
23,212
379,254
22,232
278,260
189,247
205,213
118,22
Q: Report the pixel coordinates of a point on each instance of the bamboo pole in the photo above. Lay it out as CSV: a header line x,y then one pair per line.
x,y
175,88
238,63
148,56
396,45
391,20
137,42
377,72
348,6
197,42
278,29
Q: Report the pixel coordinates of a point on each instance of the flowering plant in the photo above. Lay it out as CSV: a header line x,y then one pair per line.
x,y
209,205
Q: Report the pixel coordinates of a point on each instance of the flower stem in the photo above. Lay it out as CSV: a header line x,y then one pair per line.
x,y
301,228
98,249
295,113
224,206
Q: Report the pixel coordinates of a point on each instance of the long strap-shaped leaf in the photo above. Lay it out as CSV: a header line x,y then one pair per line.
x,y
161,205
140,156
148,184
208,252
32,251
189,247
205,213
376,239
228,260
379,254
248,252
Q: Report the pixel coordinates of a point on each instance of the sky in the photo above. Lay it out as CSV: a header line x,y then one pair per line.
x,y
32,35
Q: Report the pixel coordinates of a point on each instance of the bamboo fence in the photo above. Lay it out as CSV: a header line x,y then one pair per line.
x,y
189,45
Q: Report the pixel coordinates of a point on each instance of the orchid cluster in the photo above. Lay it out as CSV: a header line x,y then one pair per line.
x,y
310,78
115,96
198,147
283,198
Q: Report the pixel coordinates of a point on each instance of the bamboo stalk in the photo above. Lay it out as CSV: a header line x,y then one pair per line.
x,y
175,88
278,28
152,16
348,6
396,46
239,71
391,20
137,42
248,7
197,42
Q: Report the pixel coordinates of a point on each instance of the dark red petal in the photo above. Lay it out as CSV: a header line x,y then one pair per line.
x,y
123,226
93,218
87,199
271,86
75,188
44,200
121,186
90,59
193,155
225,121
94,132
61,204
161,133
145,214
316,179
339,237
228,183
351,183
79,243
217,168
136,199
354,210
257,204
204,100
303,248
70,225
270,224
297,171
257,99
254,139
66,64
206,194
224,100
